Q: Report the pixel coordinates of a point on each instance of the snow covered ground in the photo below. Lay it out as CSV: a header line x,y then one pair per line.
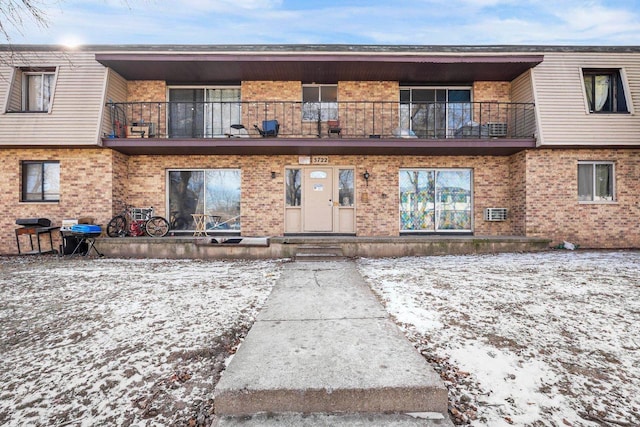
x,y
547,339
111,342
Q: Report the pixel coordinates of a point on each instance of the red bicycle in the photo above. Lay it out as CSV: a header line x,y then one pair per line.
x,y
137,222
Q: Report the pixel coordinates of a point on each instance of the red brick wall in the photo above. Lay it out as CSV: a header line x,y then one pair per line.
x,y
86,189
377,116
275,100
517,193
492,92
539,187
552,205
489,94
146,91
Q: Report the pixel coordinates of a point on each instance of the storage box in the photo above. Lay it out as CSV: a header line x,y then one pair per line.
x,y
86,228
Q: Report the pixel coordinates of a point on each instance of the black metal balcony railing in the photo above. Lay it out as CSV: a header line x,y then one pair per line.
x,y
428,120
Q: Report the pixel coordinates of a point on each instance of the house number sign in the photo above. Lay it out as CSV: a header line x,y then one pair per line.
x,y
320,160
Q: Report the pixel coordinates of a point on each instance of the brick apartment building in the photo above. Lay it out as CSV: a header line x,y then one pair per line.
x,y
365,141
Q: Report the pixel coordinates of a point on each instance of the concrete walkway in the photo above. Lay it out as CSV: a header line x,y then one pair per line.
x,y
324,352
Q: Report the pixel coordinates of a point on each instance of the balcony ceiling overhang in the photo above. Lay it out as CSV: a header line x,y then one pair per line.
x,y
307,147
318,68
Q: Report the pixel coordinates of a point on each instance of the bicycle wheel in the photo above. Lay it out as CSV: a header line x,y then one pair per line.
x,y
157,226
117,227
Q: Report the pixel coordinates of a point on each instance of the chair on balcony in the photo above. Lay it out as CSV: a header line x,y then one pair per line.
x,y
237,131
333,127
270,128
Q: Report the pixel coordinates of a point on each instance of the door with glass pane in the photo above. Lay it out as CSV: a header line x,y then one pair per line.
x,y
435,200
212,192
222,110
319,200
203,113
435,113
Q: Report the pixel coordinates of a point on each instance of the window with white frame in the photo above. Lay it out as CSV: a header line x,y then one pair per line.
x,y
319,102
37,89
596,181
605,91
40,181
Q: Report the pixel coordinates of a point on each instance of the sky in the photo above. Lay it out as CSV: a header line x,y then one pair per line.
x,y
379,22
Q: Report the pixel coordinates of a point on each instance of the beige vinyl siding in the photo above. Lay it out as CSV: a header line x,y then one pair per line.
x,y
76,103
522,92
563,117
15,91
116,92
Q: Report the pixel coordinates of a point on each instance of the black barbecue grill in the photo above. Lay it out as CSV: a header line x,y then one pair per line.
x,y
35,227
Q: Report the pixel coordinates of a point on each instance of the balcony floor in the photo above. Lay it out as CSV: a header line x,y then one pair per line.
x,y
320,146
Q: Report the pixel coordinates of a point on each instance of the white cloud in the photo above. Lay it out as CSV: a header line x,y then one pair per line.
x,y
403,22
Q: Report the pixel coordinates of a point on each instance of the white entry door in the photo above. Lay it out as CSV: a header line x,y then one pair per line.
x,y
318,206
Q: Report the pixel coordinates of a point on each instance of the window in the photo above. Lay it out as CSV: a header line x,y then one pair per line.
x,y
203,112
319,102
293,187
40,181
596,182
435,112
346,186
214,192
31,90
435,200
605,91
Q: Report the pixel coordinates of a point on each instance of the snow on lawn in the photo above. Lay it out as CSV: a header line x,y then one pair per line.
x,y
89,342
545,339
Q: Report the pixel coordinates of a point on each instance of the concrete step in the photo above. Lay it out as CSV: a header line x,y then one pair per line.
x,y
336,420
319,253
324,344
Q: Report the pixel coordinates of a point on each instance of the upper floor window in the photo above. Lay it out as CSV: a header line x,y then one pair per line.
x,y
605,91
38,88
32,89
203,112
320,102
596,182
437,112
40,181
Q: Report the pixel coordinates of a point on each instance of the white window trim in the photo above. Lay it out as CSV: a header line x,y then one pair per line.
x,y
28,71
625,86
593,163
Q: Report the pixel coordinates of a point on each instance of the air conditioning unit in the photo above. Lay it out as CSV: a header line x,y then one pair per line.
x,y
497,130
495,214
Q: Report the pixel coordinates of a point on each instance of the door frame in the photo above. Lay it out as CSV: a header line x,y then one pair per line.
x,y
343,211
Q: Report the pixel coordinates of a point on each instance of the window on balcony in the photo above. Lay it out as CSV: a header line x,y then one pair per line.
x,y
40,181
319,102
604,91
435,112
203,112
596,182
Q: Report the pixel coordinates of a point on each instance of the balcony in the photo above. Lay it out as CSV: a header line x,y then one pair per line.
x,y
364,127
